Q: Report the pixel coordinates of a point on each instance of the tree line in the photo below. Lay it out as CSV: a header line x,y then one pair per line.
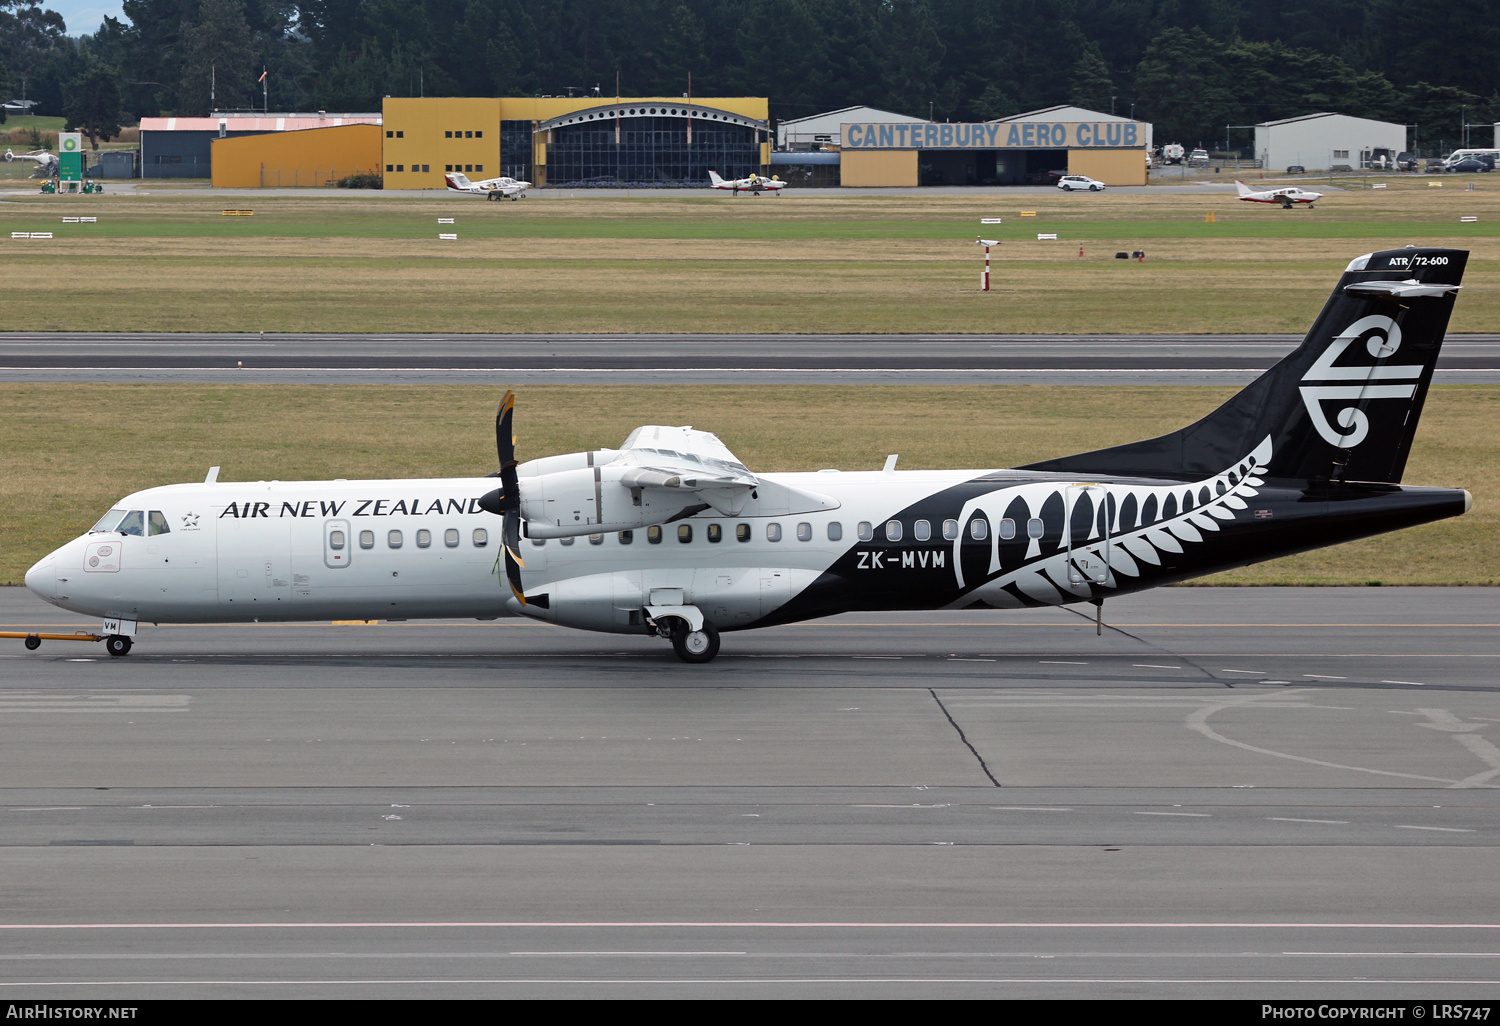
x,y
1196,70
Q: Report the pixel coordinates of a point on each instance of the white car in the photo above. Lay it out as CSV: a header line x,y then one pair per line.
x,y
1198,158
1072,183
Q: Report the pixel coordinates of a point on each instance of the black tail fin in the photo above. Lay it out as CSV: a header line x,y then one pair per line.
x,y
1342,406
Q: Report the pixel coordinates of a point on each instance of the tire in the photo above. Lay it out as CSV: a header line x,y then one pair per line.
x,y
117,645
1093,188
33,643
696,646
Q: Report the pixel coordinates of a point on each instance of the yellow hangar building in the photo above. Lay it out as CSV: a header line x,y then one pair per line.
x,y
574,141
663,142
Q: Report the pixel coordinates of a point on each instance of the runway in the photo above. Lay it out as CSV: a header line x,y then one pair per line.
x,y
678,359
1234,793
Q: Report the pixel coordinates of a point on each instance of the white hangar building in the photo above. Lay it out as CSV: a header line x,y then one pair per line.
x,y
1324,140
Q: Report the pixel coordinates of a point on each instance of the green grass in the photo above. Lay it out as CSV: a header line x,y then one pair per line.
x,y
72,450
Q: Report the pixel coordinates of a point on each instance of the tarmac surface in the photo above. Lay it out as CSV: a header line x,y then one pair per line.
x,y
678,359
1233,793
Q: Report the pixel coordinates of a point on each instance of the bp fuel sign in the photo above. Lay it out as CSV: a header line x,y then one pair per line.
x,y
70,156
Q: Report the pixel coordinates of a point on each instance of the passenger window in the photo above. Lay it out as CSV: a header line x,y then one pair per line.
x,y
367,539
921,530
893,530
773,532
134,523
566,541
835,530
481,537
804,532
393,539
450,537
108,521
596,539
158,523
424,538
950,530
715,532
865,531
684,533
979,529
1033,528
1007,529
538,542
627,537
742,532
336,540
653,535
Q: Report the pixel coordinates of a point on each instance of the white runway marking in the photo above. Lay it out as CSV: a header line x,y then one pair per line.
x,y
1293,819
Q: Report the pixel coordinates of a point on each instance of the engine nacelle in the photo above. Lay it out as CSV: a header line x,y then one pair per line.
x,y
595,500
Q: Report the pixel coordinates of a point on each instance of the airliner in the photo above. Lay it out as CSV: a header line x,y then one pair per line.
x,y
671,536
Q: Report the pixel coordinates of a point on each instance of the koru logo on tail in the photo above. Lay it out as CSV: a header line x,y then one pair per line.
x,y
1359,382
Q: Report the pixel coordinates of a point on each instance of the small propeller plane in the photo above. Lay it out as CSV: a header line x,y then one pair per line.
x,y
46,163
671,536
1288,197
755,184
491,188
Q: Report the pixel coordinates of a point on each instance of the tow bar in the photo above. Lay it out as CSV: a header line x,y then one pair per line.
x,y
34,639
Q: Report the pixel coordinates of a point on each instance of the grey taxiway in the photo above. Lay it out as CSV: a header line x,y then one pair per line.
x,y
1267,793
679,359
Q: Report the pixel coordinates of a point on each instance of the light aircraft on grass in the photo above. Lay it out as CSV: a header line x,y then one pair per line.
x,y
46,163
670,535
491,188
755,184
1287,197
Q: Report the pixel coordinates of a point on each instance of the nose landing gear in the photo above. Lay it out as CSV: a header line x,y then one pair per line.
x,y
117,645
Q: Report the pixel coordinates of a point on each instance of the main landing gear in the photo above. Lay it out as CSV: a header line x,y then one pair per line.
x,y
692,645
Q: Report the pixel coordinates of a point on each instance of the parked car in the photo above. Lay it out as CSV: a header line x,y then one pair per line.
x,y
1073,183
1296,169
1469,165
1406,162
1434,164
1198,158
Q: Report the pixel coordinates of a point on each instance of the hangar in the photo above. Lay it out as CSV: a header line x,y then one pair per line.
x,y
1325,141
574,142
1007,151
183,147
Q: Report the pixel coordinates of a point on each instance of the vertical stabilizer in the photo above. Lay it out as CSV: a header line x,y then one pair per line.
x,y
1343,406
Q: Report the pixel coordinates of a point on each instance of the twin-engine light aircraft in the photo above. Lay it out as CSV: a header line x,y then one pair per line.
x,y
491,188
755,184
672,536
1287,197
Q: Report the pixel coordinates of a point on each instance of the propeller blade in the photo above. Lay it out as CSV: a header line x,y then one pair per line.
x,y
507,496
511,538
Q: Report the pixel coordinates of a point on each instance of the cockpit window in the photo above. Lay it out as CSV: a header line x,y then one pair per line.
x,y
158,523
134,523
108,521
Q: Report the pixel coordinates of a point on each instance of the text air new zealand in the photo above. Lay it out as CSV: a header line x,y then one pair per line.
x,y
671,536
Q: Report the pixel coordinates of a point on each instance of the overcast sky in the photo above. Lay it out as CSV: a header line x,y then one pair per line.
x,y
84,16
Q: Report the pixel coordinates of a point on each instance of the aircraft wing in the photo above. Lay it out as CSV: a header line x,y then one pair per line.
x,y
680,458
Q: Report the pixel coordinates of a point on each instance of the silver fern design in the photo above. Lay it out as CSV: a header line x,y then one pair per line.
x,y
1127,525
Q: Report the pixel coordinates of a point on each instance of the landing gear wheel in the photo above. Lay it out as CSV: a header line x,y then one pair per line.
x,y
33,643
696,646
117,645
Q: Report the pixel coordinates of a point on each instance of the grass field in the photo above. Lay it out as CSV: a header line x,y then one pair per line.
x,y
71,450
690,262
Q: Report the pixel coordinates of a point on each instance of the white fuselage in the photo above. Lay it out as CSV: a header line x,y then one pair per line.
x,y
398,549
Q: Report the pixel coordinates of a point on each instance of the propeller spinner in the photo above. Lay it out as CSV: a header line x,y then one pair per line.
x,y
505,501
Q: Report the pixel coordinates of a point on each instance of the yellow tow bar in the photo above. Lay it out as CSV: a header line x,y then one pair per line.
x,y
34,639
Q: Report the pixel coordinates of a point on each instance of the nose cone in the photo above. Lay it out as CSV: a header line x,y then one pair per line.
x,y
42,578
